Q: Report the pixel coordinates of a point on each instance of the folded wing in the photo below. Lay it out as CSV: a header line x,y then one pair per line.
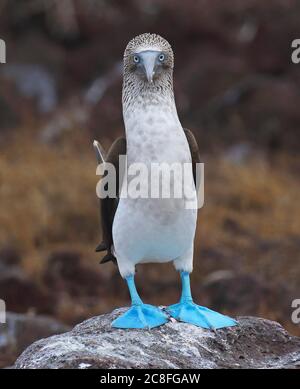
x,y
108,206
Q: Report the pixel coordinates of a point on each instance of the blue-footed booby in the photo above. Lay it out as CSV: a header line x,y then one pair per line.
x,y
139,230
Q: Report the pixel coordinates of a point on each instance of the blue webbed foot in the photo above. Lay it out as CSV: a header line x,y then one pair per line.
x,y
141,316
189,312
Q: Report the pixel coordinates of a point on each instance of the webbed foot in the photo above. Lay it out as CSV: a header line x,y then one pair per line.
x,y
189,312
141,316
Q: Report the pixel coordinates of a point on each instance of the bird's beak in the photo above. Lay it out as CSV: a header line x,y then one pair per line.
x,y
149,62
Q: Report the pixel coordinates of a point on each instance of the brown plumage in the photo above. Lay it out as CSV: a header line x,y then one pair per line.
x,y
108,205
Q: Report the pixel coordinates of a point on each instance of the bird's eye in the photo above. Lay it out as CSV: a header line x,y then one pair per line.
x,y
161,57
136,59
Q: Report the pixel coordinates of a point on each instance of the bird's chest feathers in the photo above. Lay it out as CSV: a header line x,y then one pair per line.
x,y
155,137
154,134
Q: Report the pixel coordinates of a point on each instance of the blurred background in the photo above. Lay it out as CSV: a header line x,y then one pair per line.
x,y
236,89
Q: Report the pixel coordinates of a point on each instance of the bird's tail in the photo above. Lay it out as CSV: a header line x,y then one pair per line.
x,y
100,152
104,245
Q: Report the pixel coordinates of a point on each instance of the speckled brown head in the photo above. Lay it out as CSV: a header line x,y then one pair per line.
x,y
148,64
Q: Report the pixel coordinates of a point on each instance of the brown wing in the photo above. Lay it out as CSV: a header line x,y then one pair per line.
x,y
194,151
108,206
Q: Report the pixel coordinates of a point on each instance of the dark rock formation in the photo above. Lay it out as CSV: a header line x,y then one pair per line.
x,y
255,343
67,273
21,294
20,331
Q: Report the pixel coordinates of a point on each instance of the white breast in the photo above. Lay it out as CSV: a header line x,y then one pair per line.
x,y
155,230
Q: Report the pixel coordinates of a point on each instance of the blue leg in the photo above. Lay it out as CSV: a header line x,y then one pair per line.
x,y
189,312
140,315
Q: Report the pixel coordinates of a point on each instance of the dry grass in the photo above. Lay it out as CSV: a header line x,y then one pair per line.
x,y
251,205
47,195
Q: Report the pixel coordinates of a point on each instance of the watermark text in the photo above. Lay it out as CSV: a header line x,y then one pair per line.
x,y
2,312
296,52
296,312
2,51
152,180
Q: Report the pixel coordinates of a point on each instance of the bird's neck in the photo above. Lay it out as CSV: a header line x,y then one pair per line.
x,y
153,129
143,102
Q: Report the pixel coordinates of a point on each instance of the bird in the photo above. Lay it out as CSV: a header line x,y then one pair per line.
x,y
146,229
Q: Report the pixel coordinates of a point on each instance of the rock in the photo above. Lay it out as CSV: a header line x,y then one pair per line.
x,y
20,331
9,256
67,273
10,115
34,81
246,293
21,293
254,343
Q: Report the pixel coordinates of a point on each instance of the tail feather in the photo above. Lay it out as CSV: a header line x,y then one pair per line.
x,y
104,245
100,153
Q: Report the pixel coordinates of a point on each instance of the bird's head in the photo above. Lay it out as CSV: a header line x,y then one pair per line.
x,y
148,59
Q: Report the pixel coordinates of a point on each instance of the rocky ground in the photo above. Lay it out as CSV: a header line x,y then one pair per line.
x,y
254,343
21,330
